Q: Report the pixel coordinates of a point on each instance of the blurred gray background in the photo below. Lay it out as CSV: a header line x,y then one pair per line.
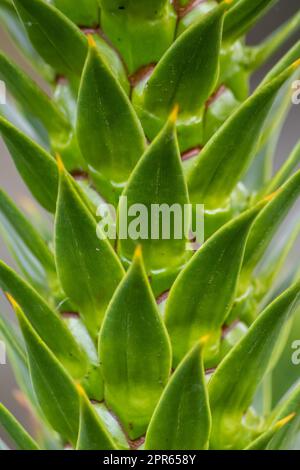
x,y
12,183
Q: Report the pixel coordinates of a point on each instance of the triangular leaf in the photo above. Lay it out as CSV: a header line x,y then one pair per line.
x,y
157,182
193,309
88,268
109,133
182,419
134,351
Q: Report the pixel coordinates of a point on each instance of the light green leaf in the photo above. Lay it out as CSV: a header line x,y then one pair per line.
x,y
54,36
92,433
243,15
16,431
55,391
45,321
233,385
228,154
134,352
157,182
88,268
182,418
32,98
27,246
285,171
33,163
188,72
193,310
268,222
109,133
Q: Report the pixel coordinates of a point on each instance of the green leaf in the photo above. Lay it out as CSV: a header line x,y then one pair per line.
x,y
188,72
109,133
192,309
243,15
263,441
54,36
88,268
16,431
134,351
15,28
86,12
233,385
182,418
26,244
288,59
33,163
92,433
228,154
54,388
288,405
268,222
45,321
32,99
157,182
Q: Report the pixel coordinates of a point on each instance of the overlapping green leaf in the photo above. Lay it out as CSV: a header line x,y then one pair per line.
x,y
88,269
45,321
263,441
16,431
157,182
33,163
192,309
53,35
226,157
188,72
182,419
55,391
134,352
109,133
233,385
86,12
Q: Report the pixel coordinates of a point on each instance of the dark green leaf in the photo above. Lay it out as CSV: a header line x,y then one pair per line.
x,y
134,351
193,310
182,418
233,385
88,268
54,36
16,431
109,133
228,154
45,321
33,163
188,72
156,182
54,389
